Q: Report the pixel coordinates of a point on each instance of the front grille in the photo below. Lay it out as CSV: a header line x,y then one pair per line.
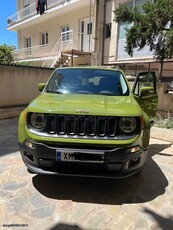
x,y
82,126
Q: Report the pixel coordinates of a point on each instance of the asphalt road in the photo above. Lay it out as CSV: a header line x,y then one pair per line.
x,y
29,201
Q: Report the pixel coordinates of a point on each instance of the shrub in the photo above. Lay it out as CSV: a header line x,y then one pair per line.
x,y
166,122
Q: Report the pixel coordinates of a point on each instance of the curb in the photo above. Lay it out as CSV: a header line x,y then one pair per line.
x,y
162,134
10,112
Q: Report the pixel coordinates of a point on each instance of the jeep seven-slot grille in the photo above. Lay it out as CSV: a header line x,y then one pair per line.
x,y
76,125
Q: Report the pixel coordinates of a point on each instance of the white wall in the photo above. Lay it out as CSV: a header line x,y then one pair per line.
x,y
19,84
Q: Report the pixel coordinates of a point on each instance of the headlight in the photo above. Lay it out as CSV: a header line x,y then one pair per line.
x,y
127,124
38,120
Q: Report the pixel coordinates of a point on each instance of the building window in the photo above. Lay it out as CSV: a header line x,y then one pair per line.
x,y
65,33
28,42
108,30
89,28
139,4
122,29
44,38
124,25
28,45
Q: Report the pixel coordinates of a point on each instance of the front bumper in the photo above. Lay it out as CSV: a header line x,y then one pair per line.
x,y
110,163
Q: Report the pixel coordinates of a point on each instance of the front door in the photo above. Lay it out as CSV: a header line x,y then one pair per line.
x,y
144,90
86,39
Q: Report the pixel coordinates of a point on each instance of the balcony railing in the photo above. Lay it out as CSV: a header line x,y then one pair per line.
x,y
30,11
49,54
34,52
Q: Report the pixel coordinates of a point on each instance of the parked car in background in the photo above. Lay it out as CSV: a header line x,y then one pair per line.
x,y
87,121
169,87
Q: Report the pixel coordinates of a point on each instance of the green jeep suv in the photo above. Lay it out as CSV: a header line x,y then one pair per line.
x,y
88,121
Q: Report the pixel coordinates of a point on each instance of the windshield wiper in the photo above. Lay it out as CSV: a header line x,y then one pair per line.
x,y
54,91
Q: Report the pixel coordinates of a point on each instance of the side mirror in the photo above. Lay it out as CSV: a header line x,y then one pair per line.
x,y
146,91
41,86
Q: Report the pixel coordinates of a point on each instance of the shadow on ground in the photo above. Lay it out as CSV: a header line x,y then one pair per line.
x,y
64,226
143,187
8,136
162,222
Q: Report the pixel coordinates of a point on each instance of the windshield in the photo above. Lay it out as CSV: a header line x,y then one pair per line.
x,y
87,81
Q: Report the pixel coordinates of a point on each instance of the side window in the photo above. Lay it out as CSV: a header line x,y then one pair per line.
x,y
124,87
145,80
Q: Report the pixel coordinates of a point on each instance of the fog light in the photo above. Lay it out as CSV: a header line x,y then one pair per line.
x,y
135,160
29,156
45,163
135,149
29,144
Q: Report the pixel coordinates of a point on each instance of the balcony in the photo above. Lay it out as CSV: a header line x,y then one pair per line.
x,y
49,54
29,16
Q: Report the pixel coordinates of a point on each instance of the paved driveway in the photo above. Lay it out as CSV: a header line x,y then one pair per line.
x,y
144,201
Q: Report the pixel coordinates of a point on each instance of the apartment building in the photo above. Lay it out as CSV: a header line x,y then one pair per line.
x,y
60,35
115,40
78,32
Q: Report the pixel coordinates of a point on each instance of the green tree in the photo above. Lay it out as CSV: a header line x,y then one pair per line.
x,y
151,26
5,54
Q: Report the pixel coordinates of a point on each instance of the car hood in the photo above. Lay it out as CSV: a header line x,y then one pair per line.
x,y
89,104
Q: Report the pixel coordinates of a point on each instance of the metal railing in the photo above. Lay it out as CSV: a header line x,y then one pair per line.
x,y
30,11
65,42
49,54
33,52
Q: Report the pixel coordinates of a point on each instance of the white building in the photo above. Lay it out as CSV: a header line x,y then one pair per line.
x,y
77,32
64,31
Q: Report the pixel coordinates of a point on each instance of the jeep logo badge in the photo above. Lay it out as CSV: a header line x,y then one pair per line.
x,y
82,111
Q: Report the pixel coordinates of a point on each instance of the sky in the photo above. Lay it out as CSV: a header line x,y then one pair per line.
x,y
7,9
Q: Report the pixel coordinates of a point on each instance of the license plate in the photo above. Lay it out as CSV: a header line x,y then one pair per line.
x,y
65,156
92,156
